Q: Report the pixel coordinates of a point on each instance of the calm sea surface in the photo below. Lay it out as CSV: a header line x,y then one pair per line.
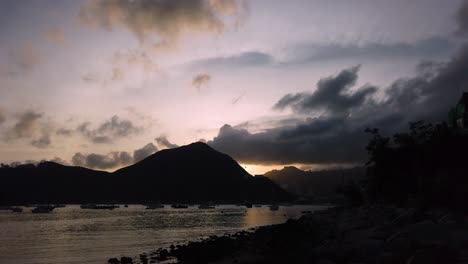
x,y
74,235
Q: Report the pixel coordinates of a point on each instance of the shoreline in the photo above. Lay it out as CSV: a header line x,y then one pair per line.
x,y
369,234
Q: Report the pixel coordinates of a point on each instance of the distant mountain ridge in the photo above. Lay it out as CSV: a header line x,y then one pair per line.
x,y
191,173
314,183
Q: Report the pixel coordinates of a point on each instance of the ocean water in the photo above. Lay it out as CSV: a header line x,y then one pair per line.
x,y
75,235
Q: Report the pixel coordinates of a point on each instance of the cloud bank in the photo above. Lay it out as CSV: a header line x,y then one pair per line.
x,y
112,159
109,131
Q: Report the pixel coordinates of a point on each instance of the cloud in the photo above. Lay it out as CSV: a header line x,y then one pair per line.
x,y
144,152
167,20
135,58
163,142
43,141
332,95
2,117
200,80
26,126
55,36
64,132
110,130
311,142
21,60
313,52
334,138
462,18
305,53
113,159
245,59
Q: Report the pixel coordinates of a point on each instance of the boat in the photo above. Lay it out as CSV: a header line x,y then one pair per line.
x,y
99,206
248,205
59,205
154,206
179,206
43,209
17,209
126,205
206,206
274,207
258,205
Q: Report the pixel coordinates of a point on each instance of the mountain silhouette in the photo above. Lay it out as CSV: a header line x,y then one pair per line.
x,y
314,183
191,173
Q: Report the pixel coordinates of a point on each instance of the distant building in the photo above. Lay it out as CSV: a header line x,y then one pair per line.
x,y
458,115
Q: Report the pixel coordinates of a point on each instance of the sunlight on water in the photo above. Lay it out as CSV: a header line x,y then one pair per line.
x,y
74,235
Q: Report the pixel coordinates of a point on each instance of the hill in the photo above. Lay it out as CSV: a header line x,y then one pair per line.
x,y
192,173
314,183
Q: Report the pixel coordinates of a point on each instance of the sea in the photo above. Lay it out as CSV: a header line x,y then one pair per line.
x,y
74,235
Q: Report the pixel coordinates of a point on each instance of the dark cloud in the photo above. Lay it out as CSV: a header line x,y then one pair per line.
x,y
306,143
168,20
110,130
163,142
462,18
112,159
332,95
26,126
144,152
201,80
332,139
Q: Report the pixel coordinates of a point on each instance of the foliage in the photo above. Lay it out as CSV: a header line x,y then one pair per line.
x,y
425,166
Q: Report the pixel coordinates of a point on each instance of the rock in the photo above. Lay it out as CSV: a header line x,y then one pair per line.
x,y
126,260
113,261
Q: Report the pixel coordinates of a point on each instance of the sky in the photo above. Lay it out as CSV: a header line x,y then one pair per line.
x,y
105,83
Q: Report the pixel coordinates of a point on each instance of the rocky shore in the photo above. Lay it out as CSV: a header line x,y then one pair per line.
x,y
370,234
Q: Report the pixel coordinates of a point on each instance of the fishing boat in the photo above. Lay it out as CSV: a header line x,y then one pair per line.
x,y
274,207
179,206
99,206
43,209
206,206
154,206
17,209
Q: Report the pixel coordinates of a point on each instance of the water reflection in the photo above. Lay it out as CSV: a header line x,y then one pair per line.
x,y
74,235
